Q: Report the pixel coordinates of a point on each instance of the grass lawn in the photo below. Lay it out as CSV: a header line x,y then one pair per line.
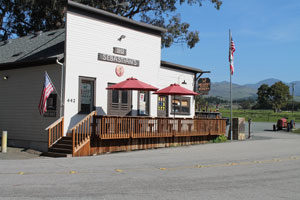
x,y
262,115
297,131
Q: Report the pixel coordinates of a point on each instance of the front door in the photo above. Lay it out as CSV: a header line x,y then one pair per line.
x,y
162,106
86,96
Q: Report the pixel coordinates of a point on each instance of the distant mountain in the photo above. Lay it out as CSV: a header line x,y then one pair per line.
x,y
221,89
269,82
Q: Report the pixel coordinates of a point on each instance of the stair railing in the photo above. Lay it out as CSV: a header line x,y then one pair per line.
x,y
55,131
82,131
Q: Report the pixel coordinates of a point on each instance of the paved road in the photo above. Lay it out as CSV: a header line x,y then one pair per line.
x,y
265,167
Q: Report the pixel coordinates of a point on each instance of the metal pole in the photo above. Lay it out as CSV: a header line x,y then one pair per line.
x,y
230,88
4,142
293,93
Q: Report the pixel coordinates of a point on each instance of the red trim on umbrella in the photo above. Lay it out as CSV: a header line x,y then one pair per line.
x,y
175,89
132,84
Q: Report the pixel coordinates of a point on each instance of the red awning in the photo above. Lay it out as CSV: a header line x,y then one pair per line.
x,y
175,89
132,84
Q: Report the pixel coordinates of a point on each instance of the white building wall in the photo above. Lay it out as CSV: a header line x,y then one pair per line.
x,y
168,76
86,37
20,96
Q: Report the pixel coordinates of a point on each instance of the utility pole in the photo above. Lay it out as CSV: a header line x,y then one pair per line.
x,y
293,93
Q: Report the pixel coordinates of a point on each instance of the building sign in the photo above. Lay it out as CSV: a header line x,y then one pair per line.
x,y
120,51
119,70
118,59
203,86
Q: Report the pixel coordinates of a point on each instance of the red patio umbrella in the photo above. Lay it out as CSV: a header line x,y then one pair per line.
x,y
175,89
132,84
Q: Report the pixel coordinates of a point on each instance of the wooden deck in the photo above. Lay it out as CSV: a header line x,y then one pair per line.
x,y
100,134
112,127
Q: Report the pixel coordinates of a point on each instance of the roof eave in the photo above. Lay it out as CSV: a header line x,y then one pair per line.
x,y
182,67
114,16
17,65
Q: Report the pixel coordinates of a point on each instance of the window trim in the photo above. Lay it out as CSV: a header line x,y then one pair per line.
x,y
119,111
180,98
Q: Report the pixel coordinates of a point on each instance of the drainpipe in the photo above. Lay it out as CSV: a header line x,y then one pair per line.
x,y
61,87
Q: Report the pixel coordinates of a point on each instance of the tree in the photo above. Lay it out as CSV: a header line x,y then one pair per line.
x,y
263,97
21,17
279,95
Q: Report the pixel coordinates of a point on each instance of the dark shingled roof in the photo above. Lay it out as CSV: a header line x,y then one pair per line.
x,y
32,47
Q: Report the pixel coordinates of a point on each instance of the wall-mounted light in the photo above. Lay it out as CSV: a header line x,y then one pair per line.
x,y
5,77
122,37
183,82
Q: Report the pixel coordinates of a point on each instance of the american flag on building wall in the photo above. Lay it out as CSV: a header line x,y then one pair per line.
x,y
231,51
48,88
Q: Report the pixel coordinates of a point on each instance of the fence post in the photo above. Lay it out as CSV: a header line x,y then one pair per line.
x,y
249,128
94,125
4,142
73,142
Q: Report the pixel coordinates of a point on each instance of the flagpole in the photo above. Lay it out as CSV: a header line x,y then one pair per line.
x,y
230,87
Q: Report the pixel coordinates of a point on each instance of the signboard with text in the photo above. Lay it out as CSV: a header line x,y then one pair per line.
x,y
203,86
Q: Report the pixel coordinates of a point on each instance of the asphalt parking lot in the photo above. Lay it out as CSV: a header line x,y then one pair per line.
x,y
264,167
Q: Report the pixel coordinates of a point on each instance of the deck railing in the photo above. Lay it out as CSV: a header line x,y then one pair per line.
x,y
82,131
113,127
55,131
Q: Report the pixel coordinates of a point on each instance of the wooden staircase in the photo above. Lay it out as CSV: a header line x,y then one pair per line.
x,y
68,146
62,148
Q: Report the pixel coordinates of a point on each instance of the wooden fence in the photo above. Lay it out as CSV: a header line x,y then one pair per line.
x,y
82,131
114,127
55,131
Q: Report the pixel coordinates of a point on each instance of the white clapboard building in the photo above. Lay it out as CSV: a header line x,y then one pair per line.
x,y
95,50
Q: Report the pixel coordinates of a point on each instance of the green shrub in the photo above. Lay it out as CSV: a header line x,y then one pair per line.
x,y
219,139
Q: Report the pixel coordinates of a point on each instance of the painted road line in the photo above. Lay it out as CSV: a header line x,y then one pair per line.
x,y
199,166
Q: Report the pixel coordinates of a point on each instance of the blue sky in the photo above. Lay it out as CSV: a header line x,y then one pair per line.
x,y
266,35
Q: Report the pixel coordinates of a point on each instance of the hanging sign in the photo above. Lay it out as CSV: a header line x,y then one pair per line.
x,y
203,86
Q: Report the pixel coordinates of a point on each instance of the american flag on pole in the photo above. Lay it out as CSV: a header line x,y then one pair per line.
x,y
48,88
231,51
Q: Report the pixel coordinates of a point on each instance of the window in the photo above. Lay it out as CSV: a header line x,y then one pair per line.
x,y
51,106
181,105
143,103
